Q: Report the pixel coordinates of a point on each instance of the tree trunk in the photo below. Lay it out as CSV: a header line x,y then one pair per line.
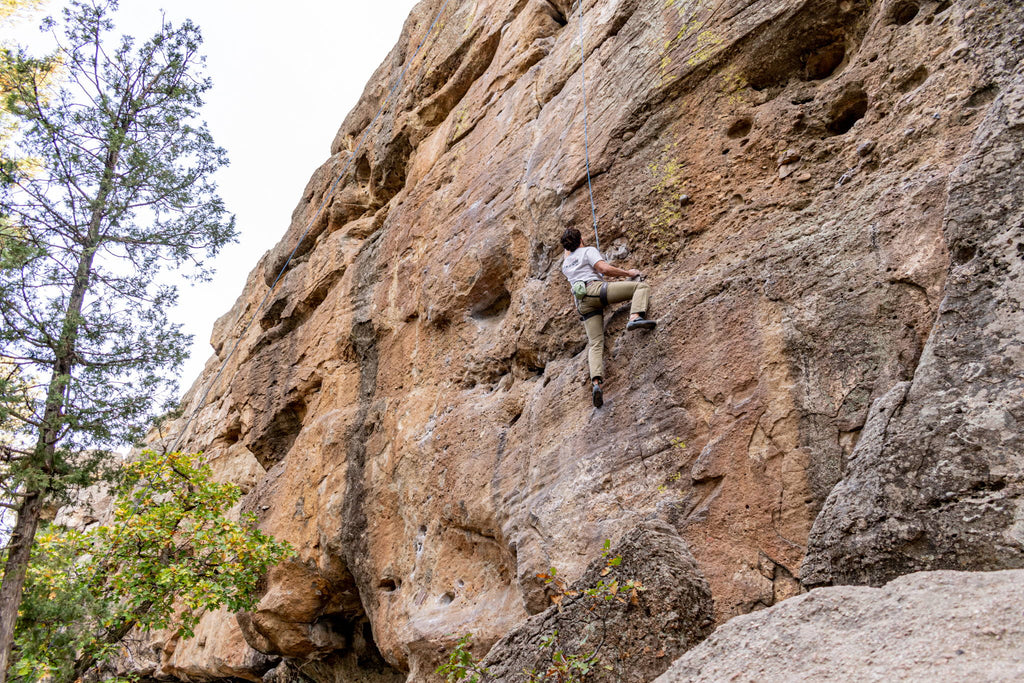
x,y
24,533
113,634
14,574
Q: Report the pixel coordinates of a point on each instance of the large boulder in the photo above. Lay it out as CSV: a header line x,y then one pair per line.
x,y
632,635
929,626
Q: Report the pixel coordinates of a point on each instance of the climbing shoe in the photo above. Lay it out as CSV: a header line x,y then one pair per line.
x,y
598,396
641,324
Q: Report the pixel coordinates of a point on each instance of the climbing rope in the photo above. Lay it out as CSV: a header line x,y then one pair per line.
x,y
586,132
323,204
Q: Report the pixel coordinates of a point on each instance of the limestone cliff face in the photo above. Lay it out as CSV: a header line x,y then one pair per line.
x,y
410,408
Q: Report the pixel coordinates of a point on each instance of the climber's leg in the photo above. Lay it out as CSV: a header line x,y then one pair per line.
x,y
640,294
595,335
623,291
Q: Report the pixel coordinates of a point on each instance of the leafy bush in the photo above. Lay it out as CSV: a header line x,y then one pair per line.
x,y
171,552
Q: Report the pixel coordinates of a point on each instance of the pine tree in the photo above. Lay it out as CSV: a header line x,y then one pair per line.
x,y
120,189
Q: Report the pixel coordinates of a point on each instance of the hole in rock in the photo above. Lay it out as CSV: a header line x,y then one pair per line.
x,y
555,13
389,176
271,443
515,418
903,13
848,109
916,78
363,170
273,315
964,253
346,644
388,585
943,6
983,96
446,599
823,62
740,128
993,484
494,307
233,432
813,45
418,543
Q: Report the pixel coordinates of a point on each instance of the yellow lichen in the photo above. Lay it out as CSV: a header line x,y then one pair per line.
x,y
707,42
668,174
470,16
734,86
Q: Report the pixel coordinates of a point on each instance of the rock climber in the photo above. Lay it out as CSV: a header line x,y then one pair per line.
x,y
586,269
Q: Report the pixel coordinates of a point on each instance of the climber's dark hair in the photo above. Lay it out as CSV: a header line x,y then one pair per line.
x,y
571,239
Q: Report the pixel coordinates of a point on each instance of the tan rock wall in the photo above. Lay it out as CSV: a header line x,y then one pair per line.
x,y
415,387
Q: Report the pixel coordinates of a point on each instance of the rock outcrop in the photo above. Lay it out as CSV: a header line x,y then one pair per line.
x,y
820,193
627,635
929,626
940,485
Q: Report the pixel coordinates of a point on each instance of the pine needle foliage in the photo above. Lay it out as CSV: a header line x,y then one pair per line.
x,y
122,189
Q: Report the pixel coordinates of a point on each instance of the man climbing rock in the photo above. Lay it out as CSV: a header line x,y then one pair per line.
x,y
586,269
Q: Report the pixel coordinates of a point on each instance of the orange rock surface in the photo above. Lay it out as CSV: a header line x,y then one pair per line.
x,y
411,405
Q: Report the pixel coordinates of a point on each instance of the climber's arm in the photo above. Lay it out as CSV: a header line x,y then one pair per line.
x,y
608,269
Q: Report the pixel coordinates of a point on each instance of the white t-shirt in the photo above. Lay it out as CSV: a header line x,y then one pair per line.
x,y
579,265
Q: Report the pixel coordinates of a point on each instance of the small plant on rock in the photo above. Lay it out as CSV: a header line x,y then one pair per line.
x,y
564,664
461,665
564,668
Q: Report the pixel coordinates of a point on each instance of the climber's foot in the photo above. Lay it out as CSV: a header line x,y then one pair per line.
x,y
641,323
598,395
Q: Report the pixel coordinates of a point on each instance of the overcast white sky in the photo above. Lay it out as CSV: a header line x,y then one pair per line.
x,y
285,75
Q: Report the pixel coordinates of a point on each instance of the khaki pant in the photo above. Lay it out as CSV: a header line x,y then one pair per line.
x,y
618,292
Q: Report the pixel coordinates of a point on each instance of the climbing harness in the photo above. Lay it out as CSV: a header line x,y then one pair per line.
x,y
323,205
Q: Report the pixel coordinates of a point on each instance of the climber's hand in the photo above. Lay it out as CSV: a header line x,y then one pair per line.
x,y
634,273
